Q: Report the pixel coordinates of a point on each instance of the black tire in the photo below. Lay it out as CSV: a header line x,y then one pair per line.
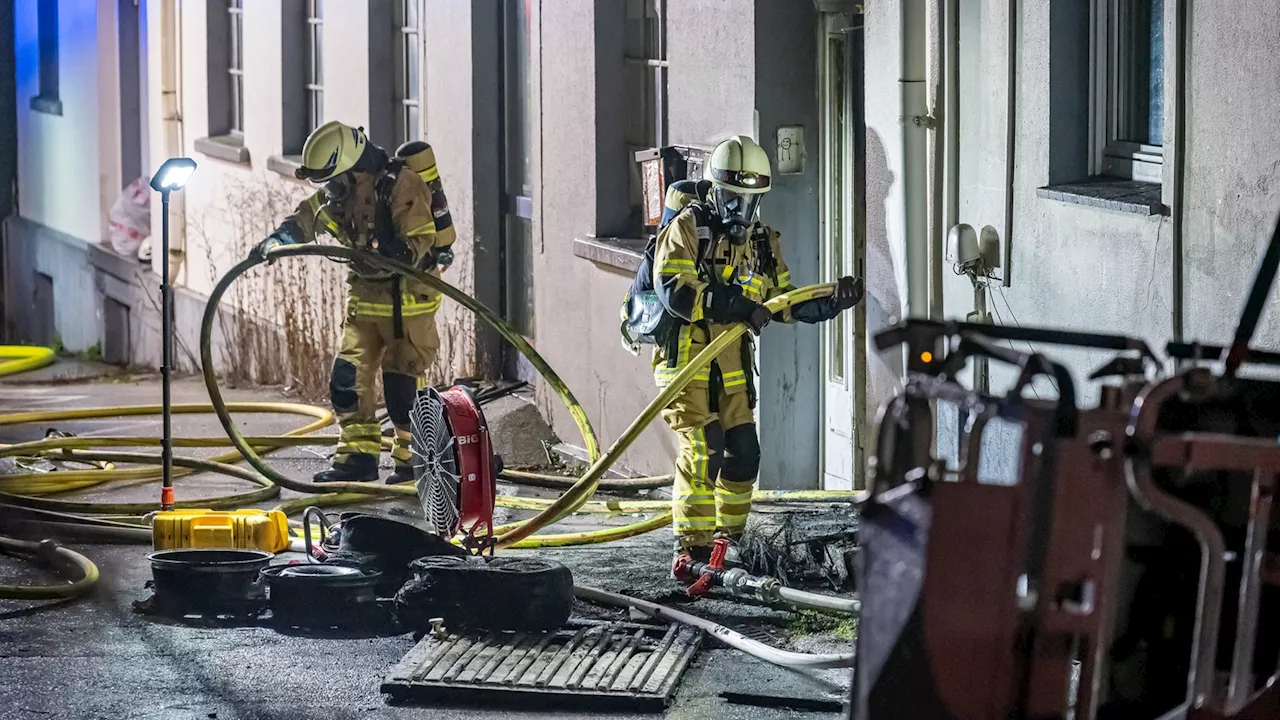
x,y
370,542
502,593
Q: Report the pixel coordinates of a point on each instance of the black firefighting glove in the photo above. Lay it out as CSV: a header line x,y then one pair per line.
x,y
394,248
444,258
849,292
726,304
287,234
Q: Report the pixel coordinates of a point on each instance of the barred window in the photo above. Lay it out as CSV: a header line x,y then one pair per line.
x,y
315,72
409,75
235,64
48,101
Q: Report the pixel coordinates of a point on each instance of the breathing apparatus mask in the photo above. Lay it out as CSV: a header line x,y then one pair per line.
x,y
737,213
337,193
338,190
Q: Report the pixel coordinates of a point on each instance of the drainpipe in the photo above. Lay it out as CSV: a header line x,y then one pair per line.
x,y
1182,57
171,109
950,71
941,113
915,161
1011,140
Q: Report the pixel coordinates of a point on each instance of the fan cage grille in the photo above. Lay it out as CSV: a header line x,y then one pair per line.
x,y
435,463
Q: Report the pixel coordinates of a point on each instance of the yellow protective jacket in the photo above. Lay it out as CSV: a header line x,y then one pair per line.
x,y
688,256
373,294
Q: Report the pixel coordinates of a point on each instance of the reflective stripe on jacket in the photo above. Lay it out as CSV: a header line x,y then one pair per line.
x,y
411,305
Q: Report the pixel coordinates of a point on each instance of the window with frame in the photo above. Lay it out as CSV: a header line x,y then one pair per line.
x,y
48,100
1128,52
302,78
315,67
225,82
646,68
409,71
235,65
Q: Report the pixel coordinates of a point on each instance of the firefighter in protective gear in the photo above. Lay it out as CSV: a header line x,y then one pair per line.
x,y
377,204
714,266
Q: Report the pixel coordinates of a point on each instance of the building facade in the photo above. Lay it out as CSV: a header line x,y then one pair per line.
x,y
1115,148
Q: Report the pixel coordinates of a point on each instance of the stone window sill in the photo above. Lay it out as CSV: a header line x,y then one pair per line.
x,y
224,147
1126,196
622,254
46,105
285,165
105,258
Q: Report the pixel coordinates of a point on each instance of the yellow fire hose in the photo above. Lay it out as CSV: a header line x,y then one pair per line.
x,y
37,485
63,561
21,358
26,489
63,481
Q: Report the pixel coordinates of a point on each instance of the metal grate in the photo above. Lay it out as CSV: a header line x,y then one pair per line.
x,y
617,665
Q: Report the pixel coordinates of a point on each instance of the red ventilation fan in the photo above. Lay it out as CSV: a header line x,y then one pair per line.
x,y
454,466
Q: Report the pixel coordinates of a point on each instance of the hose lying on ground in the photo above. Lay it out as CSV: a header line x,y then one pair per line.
x,y
15,359
729,637
31,490
815,601
557,482
63,481
83,574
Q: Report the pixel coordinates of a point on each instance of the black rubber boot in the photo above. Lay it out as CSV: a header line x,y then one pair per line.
x,y
402,474
356,468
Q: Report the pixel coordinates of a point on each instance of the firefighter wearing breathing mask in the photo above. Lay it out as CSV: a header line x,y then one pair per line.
x,y
394,207
714,265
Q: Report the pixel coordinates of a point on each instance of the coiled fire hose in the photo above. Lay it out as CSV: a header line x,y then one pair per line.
x,y
63,561
21,358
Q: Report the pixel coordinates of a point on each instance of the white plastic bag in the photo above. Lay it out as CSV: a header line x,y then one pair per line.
x,y
129,221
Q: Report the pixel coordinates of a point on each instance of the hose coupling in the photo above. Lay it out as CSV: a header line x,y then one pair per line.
x,y
740,582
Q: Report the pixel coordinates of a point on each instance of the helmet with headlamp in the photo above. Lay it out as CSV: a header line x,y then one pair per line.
x,y
738,170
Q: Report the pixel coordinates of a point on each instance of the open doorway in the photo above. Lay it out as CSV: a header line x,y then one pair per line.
x,y
843,252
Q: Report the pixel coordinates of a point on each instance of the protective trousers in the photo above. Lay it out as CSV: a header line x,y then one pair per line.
x,y
370,343
717,466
